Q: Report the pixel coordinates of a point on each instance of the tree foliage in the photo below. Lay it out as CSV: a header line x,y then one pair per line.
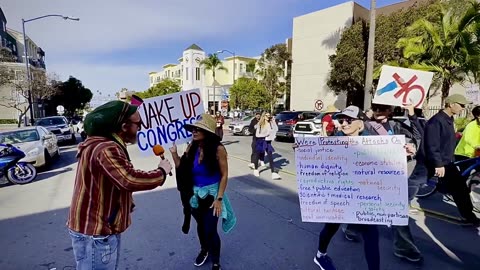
x,y
164,87
72,95
248,93
271,69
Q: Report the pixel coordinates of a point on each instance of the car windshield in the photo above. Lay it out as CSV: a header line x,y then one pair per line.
x,y
51,122
247,118
19,136
287,116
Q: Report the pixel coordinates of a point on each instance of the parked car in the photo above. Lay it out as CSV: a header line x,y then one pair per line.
x,y
59,126
240,127
310,127
286,121
39,144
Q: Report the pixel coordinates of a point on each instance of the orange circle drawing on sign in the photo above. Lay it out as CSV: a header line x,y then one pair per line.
x,y
318,105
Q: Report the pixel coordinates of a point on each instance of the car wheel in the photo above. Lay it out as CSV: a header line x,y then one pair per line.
x,y
245,131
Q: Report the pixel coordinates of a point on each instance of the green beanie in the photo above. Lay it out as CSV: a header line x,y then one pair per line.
x,y
107,119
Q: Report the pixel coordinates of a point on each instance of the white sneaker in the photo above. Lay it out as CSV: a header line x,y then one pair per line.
x,y
262,164
256,173
276,176
251,166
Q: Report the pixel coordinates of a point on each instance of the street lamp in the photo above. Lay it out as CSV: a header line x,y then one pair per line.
x,y
27,71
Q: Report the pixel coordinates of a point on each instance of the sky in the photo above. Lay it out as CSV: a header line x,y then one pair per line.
x,y
117,43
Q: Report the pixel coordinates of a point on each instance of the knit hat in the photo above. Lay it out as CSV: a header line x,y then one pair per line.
x,y
106,119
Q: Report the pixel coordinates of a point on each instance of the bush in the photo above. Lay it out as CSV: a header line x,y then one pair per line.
x,y
461,123
8,121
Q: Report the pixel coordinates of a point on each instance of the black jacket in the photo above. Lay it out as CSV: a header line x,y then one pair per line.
x,y
411,128
439,140
185,187
251,127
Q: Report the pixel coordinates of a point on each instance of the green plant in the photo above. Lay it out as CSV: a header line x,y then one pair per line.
x,y
8,121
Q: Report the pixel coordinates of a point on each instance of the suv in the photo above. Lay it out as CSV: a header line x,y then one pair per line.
x,y
313,127
286,121
59,126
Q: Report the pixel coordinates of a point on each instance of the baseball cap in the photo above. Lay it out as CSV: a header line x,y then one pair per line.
x,y
457,98
352,112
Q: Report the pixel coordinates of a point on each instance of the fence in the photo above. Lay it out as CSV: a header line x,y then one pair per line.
x,y
432,110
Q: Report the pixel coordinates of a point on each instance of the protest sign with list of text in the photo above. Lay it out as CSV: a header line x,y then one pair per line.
x,y
357,180
164,118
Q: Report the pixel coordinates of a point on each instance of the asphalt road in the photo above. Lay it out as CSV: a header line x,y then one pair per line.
x,y
269,233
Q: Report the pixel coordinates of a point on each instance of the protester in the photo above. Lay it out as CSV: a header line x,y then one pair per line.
x,y
252,129
351,124
382,124
328,121
219,127
440,143
470,141
206,158
266,130
104,183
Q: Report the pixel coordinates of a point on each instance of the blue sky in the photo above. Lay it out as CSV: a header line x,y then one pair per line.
x,y
117,42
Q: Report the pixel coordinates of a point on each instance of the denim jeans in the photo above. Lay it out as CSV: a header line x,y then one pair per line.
x,y
96,252
207,228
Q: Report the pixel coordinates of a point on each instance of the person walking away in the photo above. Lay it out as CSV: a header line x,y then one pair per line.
x,y
381,123
206,158
328,121
440,143
264,133
219,126
104,182
351,124
252,130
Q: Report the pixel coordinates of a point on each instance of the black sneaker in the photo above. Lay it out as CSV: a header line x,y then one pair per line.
x,y
201,258
324,262
216,266
409,256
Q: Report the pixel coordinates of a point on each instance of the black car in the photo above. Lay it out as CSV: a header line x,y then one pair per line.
x,y
286,122
59,126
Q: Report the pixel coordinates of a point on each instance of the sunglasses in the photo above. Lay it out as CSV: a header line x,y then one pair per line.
x,y
380,108
346,120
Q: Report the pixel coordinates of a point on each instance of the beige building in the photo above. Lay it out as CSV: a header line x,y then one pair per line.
x,y
191,74
315,38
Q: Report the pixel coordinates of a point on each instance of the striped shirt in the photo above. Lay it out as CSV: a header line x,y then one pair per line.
x,y
104,183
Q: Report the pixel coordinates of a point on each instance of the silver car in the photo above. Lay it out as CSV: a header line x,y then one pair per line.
x,y
38,144
240,127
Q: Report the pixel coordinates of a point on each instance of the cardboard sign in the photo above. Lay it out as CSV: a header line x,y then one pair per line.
x,y
356,180
398,86
472,93
164,118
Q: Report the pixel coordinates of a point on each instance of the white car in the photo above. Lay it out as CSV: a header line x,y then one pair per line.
x,y
38,144
311,127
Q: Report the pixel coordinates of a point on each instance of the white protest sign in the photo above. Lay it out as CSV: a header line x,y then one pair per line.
x,y
472,93
356,180
164,118
398,86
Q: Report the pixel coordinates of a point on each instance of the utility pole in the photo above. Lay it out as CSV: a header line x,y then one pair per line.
x,y
367,101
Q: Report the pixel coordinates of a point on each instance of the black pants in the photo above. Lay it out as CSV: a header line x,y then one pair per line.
x,y
455,184
370,242
219,132
207,228
255,155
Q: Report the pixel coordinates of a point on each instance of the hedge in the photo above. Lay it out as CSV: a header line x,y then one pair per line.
x,y
8,121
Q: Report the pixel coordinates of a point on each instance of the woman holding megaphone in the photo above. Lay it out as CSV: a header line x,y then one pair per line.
x,y
205,162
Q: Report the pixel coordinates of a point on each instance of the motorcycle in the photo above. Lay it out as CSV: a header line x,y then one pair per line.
x,y
10,166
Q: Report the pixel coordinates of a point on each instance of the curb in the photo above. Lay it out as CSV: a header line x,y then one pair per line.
x,y
431,213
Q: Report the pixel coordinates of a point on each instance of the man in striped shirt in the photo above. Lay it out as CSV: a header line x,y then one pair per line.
x,y
104,183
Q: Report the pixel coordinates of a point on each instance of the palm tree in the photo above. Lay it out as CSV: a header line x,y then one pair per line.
x,y
251,68
213,63
448,47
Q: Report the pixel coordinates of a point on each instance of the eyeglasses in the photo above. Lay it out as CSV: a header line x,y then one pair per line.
x,y
137,123
347,120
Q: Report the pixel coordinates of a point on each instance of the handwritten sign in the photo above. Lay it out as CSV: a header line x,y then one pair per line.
x,y
398,86
356,180
472,93
164,118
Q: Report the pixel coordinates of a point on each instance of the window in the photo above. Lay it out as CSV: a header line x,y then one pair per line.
x,y
241,68
197,74
186,73
168,74
151,79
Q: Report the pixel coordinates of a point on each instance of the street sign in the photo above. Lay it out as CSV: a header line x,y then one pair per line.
x,y
60,110
318,105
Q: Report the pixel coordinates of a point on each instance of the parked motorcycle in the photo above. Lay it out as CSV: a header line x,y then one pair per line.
x,y
10,166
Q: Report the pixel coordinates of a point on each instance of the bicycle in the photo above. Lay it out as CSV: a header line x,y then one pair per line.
x,y
473,179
